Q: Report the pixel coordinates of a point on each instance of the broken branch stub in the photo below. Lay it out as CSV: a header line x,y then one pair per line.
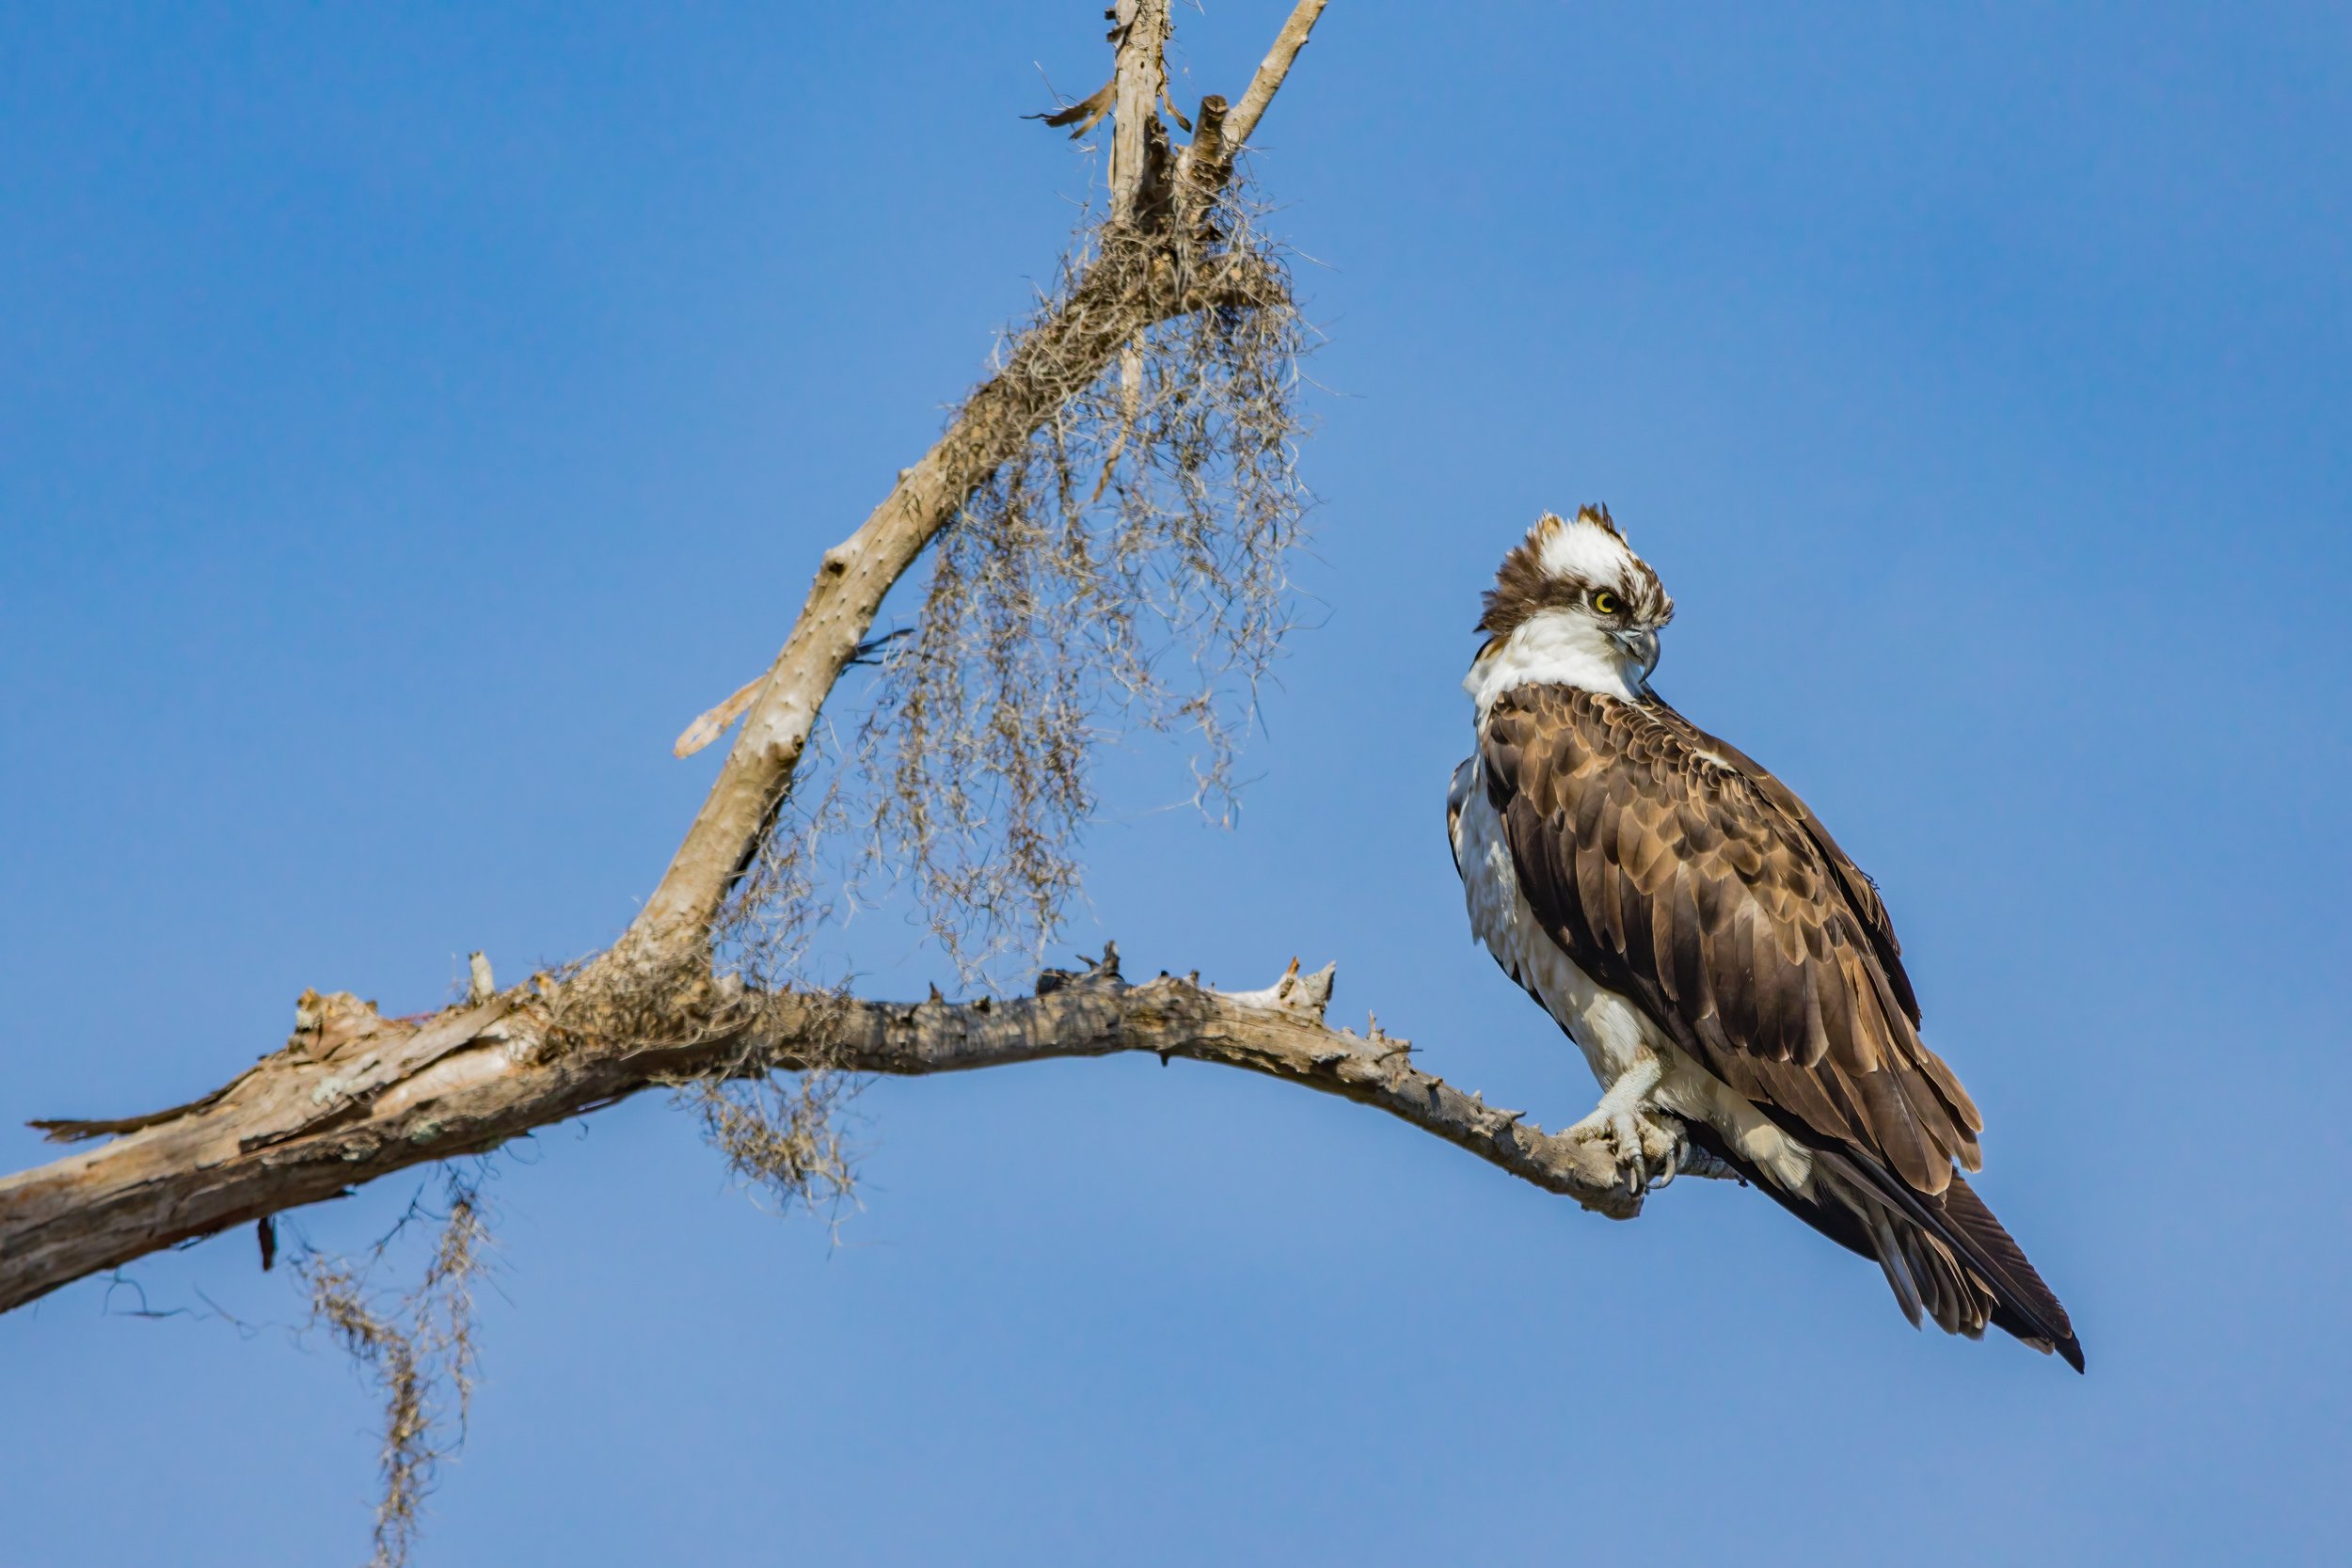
x,y
1294,992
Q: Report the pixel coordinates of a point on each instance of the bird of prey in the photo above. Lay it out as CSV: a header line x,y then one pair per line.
x,y
1729,974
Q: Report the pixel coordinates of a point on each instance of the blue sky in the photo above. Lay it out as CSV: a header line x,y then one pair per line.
x,y
410,418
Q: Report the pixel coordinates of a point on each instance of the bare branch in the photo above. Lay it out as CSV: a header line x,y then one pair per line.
x,y
1271,71
1244,116
1138,140
358,1096
1128,290
352,1096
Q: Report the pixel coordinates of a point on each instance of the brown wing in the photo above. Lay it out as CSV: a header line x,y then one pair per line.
x,y
1675,871
1861,893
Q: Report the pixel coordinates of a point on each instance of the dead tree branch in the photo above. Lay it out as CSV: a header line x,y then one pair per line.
x,y
1137,279
352,1096
355,1096
1267,81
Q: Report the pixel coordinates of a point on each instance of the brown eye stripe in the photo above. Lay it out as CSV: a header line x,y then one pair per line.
x,y
1522,588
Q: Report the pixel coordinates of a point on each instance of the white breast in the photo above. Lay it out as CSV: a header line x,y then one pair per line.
x,y
1609,1030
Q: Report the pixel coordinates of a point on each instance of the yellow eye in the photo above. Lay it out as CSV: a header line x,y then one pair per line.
x,y
1605,602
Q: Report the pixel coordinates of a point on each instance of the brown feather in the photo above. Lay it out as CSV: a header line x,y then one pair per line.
x,y
1677,872
1711,895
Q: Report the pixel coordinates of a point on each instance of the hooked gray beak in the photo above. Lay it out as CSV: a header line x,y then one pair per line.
x,y
1641,646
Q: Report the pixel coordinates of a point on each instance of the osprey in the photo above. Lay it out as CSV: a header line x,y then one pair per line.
x,y
1730,975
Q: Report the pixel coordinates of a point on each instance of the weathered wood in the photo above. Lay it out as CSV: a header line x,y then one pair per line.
x,y
1138,141
355,1096
1271,73
1120,295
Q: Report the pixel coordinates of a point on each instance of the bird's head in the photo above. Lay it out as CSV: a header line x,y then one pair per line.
x,y
1573,604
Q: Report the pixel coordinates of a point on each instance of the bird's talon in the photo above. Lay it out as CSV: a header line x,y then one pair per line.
x,y
1638,1144
1674,1165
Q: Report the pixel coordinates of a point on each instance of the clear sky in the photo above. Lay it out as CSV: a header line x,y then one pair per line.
x,y
409,418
